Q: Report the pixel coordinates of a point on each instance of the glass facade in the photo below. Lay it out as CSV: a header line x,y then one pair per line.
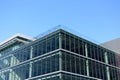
x,y
60,55
5,51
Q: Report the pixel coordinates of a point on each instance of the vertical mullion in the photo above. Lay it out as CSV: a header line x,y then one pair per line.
x,y
60,40
30,68
87,64
107,68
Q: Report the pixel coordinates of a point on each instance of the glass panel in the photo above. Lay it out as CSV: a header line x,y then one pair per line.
x,y
46,45
97,70
45,65
73,43
74,64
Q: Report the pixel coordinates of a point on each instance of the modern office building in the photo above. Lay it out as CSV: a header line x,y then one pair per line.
x,y
59,55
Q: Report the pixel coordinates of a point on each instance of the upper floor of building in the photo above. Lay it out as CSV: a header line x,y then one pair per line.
x,y
13,43
59,39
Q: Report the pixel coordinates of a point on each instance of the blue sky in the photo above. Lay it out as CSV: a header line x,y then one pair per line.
x,y
99,20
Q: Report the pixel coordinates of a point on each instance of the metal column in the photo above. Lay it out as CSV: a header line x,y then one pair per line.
x,y
30,68
87,65
107,68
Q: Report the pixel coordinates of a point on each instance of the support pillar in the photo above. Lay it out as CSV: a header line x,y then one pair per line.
x,y
30,68
107,68
60,61
11,64
87,64
60,41
60,54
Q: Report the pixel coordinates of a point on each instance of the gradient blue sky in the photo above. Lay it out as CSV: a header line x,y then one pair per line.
x,y
96,19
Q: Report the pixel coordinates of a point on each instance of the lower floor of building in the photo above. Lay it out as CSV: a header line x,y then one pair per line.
x,y
58,65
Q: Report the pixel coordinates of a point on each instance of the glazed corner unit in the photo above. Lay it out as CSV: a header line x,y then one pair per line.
x,y
59,55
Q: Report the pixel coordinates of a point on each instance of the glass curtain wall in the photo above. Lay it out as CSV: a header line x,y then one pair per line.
x,y
45,65
77,45
37,67
77,56
41,66
5,51
96,57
